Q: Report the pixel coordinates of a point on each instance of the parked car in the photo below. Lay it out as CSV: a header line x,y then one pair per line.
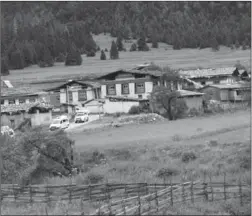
x,y
61,122
7,130
81,116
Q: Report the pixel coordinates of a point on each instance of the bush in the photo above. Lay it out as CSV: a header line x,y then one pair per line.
x,y
188,156
114,54
133,47
106,50
134,110
167,172
91,54
60,58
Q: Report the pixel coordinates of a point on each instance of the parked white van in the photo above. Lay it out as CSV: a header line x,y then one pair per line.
x,y
61,122
82,115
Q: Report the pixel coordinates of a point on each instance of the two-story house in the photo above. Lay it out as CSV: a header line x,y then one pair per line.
x,y
73,93
20,103
211,76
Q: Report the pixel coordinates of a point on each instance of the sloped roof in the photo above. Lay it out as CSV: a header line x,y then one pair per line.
x,y
208,72
6,83
230,86
18,91
86,83
23,107
155,73
122,98
186,93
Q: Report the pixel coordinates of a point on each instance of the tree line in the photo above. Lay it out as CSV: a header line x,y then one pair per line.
x,y
45,32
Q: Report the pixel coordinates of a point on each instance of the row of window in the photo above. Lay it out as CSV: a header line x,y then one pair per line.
x,y
82,95
21,101
139,88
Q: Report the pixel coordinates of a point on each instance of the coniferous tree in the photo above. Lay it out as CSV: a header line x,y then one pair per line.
x,y
73,57
154,41
133,47
103,55
17,60
47,59
141,43
4,67
119,43
113,51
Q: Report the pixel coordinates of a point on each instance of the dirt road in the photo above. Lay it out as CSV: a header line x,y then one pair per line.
x,y
164,131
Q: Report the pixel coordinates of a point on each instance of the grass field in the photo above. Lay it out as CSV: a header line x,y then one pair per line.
x,y
164,56
147,152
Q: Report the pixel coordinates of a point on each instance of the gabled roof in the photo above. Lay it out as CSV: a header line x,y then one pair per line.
x,y
82,83
24,107
186,93
122,98
18,91
245,85
154,73
6,83
208,72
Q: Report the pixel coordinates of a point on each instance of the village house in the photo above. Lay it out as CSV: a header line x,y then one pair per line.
x,y
235,92
18,104
73,93
211,76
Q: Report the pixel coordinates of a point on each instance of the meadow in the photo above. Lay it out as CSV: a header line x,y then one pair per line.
x,y
222,145
163,56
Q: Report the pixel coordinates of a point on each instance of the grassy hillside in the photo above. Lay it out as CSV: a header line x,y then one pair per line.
x,y
164,55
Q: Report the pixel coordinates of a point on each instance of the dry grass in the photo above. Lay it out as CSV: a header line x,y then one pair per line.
x,y
164,55
153,159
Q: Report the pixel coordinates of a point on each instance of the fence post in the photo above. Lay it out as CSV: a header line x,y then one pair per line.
x,y
183,191
205,187
240,192
89,191
212,192
70,191
146,188
108,198
125,191
81,205
48,194
30,190
123,206
225,197
156,197
139,204
171,192
14,193
192,195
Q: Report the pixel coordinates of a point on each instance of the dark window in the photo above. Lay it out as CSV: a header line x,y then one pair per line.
x,y
111,90
140,96
11,101
82,95
216,81
203,83
125,88
12,121
2,102
238,92
155,83
139,88
21,100
70,96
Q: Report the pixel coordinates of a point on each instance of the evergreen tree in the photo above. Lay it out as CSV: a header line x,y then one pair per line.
x,y
4,67
17,60
154,41
103,55
47,59
119,43
141,43
73,57
237,44
113,51
214,44
133,47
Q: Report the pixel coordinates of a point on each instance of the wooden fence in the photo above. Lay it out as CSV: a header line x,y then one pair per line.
x,y
131,198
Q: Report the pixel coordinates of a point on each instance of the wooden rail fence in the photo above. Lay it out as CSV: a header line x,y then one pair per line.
x,y
130,198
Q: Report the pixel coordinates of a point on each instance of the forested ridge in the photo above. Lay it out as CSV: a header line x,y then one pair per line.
x,y
44,32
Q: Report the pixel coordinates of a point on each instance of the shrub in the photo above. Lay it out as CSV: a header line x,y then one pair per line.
x,y
188,156
106,50
167,172
133,47
94,178
61,58
119,43
91,53
134,110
